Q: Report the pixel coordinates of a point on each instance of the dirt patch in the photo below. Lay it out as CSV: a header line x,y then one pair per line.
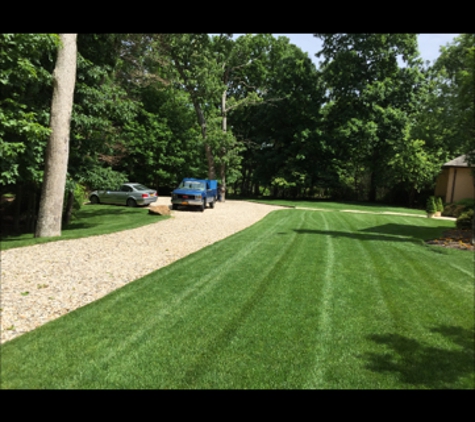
x,y
455,239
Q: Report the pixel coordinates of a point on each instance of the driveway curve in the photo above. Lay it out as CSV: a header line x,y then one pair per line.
x,y
42,282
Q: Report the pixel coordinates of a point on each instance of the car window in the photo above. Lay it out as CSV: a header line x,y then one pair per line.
x,y
125,188
141,187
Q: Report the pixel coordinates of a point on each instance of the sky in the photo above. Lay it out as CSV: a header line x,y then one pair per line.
x,y
429,44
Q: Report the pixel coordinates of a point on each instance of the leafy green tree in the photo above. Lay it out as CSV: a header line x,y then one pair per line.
x,y
218,75
282,135
163,143
26,65
231,56
25,94
102,106
456,66
370,100
194,69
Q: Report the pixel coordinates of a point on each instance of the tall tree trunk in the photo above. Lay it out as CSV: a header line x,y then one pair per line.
x,y
412,195
243,180
211,165
209,153
223,182
256,189
69,208
224,127
57,151
472,241
157,184
31,219
375,174
181,64
18,204
372,187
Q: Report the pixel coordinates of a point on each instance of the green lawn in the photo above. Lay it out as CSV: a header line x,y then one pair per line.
x,y
339,206
91,220
301,300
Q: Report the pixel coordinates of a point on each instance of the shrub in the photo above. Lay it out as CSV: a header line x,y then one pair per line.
x,y
431,206
466,202
448,210
440,204
464,221
458,208
80,196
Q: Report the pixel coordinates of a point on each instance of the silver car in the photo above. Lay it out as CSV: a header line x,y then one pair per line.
x,y
130,194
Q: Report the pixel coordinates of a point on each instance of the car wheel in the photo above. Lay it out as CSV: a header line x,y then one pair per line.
x,y
202,206
131,203
174,206
94,199
211,204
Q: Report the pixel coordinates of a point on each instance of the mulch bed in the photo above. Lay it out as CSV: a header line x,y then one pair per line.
x,y
454,238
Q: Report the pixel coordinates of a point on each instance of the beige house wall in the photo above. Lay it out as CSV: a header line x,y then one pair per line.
x,y
442,184
459,184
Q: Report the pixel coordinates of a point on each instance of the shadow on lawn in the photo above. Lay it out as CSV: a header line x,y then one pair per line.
x,y
422,365
386,232
356,236
95,217
419,232
92,210
89,216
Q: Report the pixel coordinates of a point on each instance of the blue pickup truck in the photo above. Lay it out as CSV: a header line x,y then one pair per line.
x,y
195,193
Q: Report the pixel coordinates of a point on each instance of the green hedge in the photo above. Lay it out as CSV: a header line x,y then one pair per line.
x,y
464,221
458,208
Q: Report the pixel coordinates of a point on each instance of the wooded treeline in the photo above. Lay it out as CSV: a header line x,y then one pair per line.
x,y
372,123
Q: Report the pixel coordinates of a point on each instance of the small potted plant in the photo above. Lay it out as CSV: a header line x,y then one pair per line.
x,y
431,207
440,206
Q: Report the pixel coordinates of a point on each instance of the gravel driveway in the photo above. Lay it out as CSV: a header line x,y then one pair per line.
x,y
42,282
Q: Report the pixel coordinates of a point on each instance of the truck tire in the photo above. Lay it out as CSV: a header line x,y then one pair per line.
x,y
203,206
211,204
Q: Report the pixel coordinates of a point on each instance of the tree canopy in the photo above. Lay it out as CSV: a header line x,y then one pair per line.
x,y
372,123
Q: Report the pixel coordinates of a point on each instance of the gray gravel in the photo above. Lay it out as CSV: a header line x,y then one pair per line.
x,y
42,282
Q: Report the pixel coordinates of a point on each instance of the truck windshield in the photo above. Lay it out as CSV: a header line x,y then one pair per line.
x,y
188,184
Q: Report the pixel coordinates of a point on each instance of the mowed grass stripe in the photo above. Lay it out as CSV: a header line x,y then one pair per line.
x,y
218,359
280,351
277,353
302,299
242,348
141,312
467,272
150,377
222,312
432,339
423,303
352,284
393,299
323,334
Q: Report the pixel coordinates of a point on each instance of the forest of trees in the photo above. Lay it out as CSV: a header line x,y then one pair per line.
x,y
374,122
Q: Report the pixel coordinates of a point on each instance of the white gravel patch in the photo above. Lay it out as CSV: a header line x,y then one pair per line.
x,y
42,282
